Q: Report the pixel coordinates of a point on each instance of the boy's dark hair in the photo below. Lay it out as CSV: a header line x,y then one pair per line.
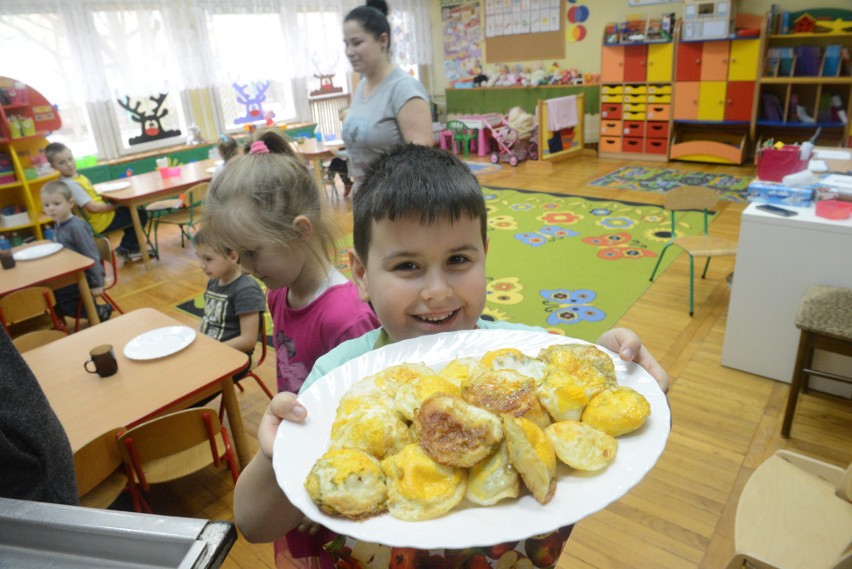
x,y
373,17
53,149
413,181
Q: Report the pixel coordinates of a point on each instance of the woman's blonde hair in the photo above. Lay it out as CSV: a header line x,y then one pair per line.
x,y
254,201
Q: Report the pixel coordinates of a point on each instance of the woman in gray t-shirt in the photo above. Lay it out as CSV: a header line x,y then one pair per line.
x,y
388,107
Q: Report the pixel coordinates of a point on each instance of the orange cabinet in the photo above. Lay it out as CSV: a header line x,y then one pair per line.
x,y
686,100
610,128
659,112
612,64
610,144
714,61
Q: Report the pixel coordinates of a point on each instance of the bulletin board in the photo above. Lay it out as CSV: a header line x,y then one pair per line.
x,y
524,47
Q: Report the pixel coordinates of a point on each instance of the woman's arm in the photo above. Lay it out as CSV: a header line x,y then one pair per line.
x,y
415,122
246,341
262,511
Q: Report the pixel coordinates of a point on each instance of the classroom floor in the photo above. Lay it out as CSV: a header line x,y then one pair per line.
x,y
725,422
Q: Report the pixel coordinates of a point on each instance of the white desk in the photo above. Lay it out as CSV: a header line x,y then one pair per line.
x,y
777,260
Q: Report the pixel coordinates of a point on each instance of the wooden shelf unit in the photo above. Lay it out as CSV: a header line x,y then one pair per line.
x,y
25,192
636,100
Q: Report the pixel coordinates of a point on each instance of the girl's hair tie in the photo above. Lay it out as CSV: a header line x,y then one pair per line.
x,y
258,147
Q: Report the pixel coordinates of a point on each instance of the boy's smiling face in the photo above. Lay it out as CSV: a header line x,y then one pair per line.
x,y
423,279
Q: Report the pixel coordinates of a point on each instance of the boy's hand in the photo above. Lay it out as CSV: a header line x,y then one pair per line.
x,y
283,407
628,345
98,292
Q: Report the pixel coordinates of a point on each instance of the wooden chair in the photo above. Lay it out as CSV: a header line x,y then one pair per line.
x,y
101,477
187,216
824,317
174,446
254,365
30,309
108,262
794,512
461,135
38,338
691,198
85,217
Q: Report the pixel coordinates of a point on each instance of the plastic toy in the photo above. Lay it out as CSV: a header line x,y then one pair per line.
x,y
514,137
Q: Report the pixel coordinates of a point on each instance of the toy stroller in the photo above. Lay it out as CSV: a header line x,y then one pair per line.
x,y
514,137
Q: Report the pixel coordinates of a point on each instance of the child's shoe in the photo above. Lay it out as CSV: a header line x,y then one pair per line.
x,y
104,311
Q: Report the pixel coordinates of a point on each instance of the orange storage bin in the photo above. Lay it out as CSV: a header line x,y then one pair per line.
x,y
610,128
659,112
610,111
635,129
657,129
633,145
610,144
655,146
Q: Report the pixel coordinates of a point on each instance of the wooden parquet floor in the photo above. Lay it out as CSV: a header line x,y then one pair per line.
x,y
725,422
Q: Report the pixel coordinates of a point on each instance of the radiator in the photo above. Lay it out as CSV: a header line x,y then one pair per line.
x,y
326,113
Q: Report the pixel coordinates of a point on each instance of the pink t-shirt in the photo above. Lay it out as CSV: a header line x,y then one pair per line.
x,y
303,335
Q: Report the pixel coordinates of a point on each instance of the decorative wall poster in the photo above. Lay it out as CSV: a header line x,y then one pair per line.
x,y
252,101
516,17
576,14
150,121
462,41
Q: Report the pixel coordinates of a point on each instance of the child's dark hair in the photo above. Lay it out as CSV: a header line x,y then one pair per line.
x,y
227,147
419,182
254,201
373,17
53,149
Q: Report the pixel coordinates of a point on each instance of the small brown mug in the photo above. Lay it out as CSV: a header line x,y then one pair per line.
x,y
104,360
7,260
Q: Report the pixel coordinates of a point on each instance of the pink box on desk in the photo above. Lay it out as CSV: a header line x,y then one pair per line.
x,y
775,163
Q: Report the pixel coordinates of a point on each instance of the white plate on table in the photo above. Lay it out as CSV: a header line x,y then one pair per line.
x,y
298,446
112,186
212,169
335,142
159,343
37,251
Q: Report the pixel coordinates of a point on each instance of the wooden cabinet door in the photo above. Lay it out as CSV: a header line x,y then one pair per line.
x,y
686,100
714,61
688,66
612,64
743,60
635,63
660,62
711,101
739,97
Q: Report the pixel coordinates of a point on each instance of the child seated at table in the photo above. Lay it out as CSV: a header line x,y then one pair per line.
x,y
233,301
75,234
103,217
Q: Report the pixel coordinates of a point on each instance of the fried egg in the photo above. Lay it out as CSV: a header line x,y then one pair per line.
x,y
493,479
377,431
461,369
617,410
581,446
455,433
411,396
564,396
521,363
532,455
348,483
418,487
506,391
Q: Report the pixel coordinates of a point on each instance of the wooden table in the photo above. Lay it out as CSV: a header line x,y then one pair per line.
x,y
150,187
315,152
56,270
88,405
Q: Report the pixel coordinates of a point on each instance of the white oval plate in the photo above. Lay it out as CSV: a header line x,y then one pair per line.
x,y
159,343
297,446
37,251
112,186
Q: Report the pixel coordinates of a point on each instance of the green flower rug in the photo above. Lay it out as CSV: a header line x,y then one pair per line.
x,y
661,180
569,264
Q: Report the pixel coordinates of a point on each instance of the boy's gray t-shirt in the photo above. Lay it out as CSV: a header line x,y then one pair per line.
x,y
223,305
370,129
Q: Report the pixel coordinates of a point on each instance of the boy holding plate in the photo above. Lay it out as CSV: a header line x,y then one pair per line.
x,y
419,259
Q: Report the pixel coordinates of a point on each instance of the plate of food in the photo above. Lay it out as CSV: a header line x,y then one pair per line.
x,y
159,343
386,413
37,251
112,186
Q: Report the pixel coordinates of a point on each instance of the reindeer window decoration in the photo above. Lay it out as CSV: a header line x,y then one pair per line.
x,y
150,122
252,103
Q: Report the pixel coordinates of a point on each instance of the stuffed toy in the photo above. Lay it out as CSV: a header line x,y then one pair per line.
x,y
194,138
538,76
